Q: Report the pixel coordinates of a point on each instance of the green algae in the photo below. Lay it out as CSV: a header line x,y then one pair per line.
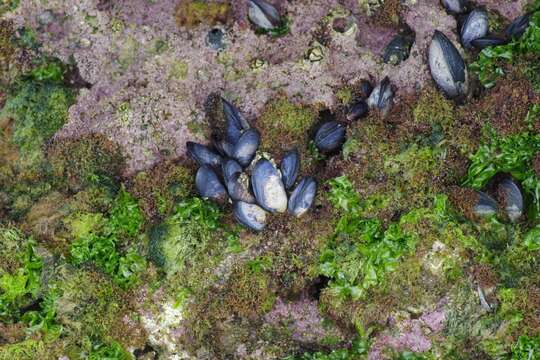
x,y
432,108
90,307
162,187
489,65
20,286
179,70
193,13
183,237
84,162
38,107
285,123
362,252
396,175
97,239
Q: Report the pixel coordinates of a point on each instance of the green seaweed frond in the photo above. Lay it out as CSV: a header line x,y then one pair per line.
x,y
488,65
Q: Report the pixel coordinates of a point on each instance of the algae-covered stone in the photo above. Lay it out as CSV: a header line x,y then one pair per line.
x,y
285,123
194,12
90,160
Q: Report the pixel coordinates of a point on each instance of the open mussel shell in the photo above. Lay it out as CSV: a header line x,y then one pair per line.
x,y
518,27
263,14
250,215
398,49
511,198
475,26
236,123
447,67
302,197
487,41
230,167
208,184
485,205
382,96
290,165
329,136
358,111
455,6
202,154
238,189
268,187
246,147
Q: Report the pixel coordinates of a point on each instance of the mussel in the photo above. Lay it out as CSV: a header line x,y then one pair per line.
x,y
238,188
365,88
264,15
290,165
475,26
268,187
510,197
225,148
302,197
518,27
246,147
236,123
447,67
230,167
398,48
485,205
358,110
487,41
250,215
202,154
455,6
208,184
329,136
382,96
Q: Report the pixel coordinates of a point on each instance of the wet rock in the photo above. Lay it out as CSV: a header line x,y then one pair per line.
x,y
46,17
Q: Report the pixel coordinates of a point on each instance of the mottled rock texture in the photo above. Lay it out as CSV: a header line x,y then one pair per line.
x,y
151,77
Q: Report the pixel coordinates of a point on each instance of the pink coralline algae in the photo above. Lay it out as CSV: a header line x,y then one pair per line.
x,y
410,334
150,78
303,318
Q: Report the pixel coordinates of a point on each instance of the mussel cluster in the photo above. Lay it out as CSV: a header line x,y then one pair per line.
x,y
446,64
506,195
232,170
330,135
